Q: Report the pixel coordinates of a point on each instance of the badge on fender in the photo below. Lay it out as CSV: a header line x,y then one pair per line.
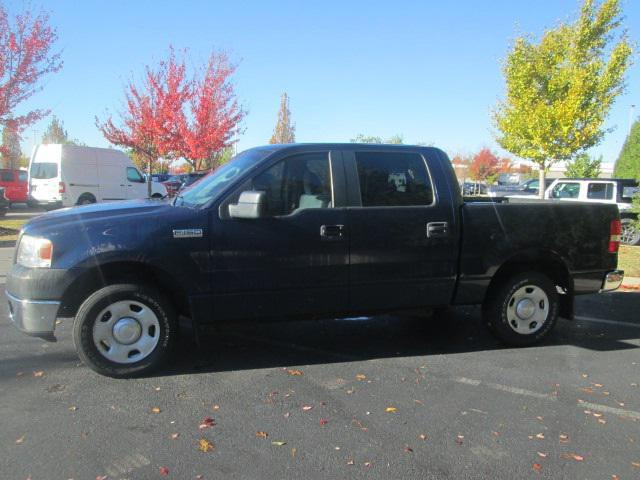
x,y
188,233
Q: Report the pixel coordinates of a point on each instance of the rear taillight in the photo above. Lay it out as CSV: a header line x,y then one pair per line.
x,y
61,187
614,236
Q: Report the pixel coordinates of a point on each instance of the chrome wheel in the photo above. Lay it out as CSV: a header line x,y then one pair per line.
x,y
630,234
126,331
527,309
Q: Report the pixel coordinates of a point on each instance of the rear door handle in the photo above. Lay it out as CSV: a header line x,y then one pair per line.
x,y
331,232
437,229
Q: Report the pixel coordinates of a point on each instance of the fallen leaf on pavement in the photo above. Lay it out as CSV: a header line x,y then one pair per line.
x,y
155,410
293,452
216,407
564,438
306,408
278,443
20,440
19,374
205,445
360,376
323,421
295,373
537,467
207,422
286,415
350,462
174,436
573,456
38,373
101,477
262,434
600,420
597,415
459,439
73,408
540,436
367,464
542,455
164,471
636,464
422,436
408,449
391,409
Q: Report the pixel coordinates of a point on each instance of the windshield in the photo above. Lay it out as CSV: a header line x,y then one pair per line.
x,y
213,184
44,170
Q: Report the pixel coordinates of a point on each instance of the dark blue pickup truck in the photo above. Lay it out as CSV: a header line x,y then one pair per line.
x,y
305,231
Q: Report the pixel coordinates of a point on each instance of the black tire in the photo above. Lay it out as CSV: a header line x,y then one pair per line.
x,y
156,196
499,306
86,199
87,317
630,232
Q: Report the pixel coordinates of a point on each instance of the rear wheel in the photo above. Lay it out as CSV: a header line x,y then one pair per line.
x,y
630,232
124,330
86,199
523,309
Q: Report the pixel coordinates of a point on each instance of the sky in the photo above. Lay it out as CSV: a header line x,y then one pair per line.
x,y
427,70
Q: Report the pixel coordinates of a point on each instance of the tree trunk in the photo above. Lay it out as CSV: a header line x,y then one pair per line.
x,y
541,177
149,178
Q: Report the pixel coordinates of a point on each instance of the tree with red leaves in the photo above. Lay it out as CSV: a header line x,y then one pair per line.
x,y
215,115
484,165
173,117
26,56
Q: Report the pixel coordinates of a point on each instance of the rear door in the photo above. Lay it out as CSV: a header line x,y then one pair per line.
x,y
403,241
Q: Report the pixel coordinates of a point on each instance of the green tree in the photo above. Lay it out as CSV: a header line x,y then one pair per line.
x,y
10,150
55,132
393,140
584,166
559,91
628,163
284,132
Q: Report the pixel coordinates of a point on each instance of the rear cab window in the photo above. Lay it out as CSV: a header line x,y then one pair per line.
x,y
600,191
393,179
6,176
44,170
22,175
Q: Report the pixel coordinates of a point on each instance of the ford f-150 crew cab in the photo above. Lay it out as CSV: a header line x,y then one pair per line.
x,y
305,231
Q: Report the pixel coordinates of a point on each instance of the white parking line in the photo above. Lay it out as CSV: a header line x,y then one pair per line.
x,y
545,396
505,388
608,322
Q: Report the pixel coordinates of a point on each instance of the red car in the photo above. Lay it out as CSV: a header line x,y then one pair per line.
x,y
15,185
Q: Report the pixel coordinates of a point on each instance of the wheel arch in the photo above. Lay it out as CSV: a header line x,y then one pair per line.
x,y
542,261
123,272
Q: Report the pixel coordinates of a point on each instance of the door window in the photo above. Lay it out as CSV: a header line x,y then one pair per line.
x,y
600,191
393,179
6,176
133,175
296,183
566,190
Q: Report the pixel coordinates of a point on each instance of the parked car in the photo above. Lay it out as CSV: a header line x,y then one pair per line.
x,y
4,202
528,188
613,191
470,189
68,175
14,182
178,182
305,231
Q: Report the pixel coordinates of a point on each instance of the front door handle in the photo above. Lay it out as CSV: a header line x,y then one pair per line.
x,y
437,229
331,232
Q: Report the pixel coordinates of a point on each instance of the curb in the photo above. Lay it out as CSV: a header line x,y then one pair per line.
x,y
630,283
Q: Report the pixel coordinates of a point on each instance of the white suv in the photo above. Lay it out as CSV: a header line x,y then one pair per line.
x,y
609,190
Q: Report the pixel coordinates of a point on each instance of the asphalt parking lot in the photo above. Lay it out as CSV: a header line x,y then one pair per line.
x,y
388,397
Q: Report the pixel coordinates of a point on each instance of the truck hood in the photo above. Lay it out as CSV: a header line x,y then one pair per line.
x,y
106,213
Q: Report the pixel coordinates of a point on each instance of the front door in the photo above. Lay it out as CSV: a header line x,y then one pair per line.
x,y
293,261
402,235
136,185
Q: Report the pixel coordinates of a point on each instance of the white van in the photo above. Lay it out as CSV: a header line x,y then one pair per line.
x,y
68,175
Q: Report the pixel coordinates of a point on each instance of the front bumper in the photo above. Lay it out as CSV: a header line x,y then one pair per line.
x,y
34,317
612,280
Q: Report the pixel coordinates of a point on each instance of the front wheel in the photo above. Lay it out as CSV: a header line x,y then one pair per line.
x,y
124,330
523,309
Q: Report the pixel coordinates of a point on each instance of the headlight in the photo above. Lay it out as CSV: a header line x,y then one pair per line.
x,y
35,252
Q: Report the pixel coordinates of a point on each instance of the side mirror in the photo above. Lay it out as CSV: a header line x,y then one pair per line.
x,y
251,204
